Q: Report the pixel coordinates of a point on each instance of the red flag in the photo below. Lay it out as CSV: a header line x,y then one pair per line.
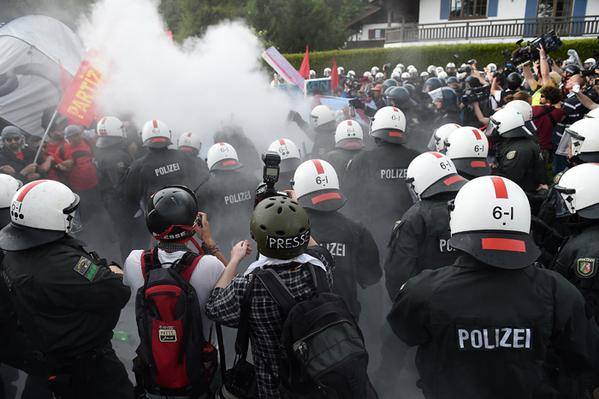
x,y
334,76
78,100
305,67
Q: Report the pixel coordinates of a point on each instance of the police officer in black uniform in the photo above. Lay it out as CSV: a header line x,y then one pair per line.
x,y
349,142
445,103
420,240
160,167
355,252
375,179
190,144
228,195
518,154
67,299
321,129
112,160
483,324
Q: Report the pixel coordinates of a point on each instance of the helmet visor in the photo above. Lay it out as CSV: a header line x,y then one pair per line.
x,y
74,224
570,144
564,201
435,143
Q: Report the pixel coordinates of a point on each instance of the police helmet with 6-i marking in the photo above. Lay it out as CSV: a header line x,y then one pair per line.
x,y
432,173
317,186
289,153
389,124
349,135
222,156
490,220
41,212
468,148
156,134
110,131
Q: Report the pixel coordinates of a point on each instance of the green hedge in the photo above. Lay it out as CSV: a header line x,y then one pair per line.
x,y
361,60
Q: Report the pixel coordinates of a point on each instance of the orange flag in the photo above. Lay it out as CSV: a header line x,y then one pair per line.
x,y
305,67
334,76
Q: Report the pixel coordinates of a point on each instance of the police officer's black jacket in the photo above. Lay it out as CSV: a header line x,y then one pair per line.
x,y
68,302
483,332
419,241
447,117
339,158
355,252
577,261
112,164
520,160
202,174
228,198
157,169
376,187
324,141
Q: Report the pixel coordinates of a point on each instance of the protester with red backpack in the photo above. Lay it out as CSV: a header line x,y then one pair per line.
x,y
175,357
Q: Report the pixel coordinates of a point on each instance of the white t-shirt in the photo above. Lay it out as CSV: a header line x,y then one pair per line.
x,y
203,279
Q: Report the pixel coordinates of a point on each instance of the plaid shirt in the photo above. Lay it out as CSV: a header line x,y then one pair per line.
x,y
266,321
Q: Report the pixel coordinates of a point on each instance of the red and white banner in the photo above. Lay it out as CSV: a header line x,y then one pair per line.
x,y
78,100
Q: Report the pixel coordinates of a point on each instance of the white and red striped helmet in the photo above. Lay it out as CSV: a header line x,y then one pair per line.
x,y
317,186
222,156
110,130
437,141
289,153
490,220
432,173
349,135
189,141
468,148
41,212
156,134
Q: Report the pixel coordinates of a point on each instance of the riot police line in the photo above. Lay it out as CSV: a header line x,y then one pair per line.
x,y
466,234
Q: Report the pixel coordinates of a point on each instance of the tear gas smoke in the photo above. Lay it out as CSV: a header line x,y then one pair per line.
x,y
198,86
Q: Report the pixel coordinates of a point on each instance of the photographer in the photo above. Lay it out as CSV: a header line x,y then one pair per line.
x,y
545,79
476,103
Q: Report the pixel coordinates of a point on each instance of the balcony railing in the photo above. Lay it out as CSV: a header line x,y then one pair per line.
x,y
489,29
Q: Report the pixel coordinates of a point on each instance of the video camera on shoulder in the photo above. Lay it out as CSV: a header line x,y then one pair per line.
x,y
270,177
530,52
476,95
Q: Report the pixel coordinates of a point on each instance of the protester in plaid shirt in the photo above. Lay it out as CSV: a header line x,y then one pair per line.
x,y
265,318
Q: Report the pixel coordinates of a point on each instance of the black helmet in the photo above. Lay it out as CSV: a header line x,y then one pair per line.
x,y
452,79
472,81
410,88
399,97
514,81
172,213
431,84
447,95
572,69
387,84
11,131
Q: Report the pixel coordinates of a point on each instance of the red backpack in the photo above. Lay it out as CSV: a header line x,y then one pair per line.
x,y
173,358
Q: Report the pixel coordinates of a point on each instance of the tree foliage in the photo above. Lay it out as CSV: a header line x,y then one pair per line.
x,y
289,25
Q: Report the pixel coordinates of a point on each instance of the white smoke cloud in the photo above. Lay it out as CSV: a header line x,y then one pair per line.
x,y
196,86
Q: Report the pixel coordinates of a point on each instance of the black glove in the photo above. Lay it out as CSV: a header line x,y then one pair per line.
x,y
294,116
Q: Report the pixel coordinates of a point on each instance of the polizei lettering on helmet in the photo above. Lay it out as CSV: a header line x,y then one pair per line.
x,y
237,197
389,174
166,169
288,242
494,338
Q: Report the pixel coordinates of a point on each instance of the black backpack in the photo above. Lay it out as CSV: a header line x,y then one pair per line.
x,y
323,348
174,358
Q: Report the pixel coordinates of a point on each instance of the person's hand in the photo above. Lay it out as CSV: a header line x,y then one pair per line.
x,y
116,270
542,187
9,170
291,194
29,169
240,251
203,229
293,116
66,165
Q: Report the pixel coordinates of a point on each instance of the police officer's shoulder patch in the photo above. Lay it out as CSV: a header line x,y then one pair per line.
x,y
86,268
511,154
585,267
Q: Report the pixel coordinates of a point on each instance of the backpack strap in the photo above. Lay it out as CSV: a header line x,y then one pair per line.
x,y
149,261
187,264
319,278
276,289
243,330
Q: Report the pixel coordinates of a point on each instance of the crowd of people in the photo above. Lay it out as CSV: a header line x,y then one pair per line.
x,y
466,199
